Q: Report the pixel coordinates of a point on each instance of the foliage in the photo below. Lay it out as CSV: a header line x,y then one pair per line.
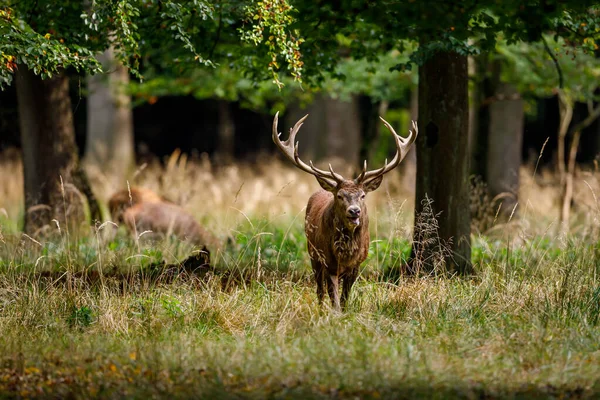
x,y
44,54
448,26
268,20
86,30
358,42
48,36
533,70
171,36
222,83
80,317
376,79
351,77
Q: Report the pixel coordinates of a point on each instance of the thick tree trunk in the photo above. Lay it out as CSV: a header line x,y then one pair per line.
x,y
489,75
226,142
442,187
109,147
497,136
369,117
505,140
55,185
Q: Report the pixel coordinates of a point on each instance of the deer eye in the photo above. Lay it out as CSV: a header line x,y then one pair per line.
x,y
339,196
362,196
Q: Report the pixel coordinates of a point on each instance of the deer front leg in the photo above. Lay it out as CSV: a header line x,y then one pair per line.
x,y
334,292
348,281
319,271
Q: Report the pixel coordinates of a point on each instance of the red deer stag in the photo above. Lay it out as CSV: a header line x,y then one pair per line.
x,y
337,224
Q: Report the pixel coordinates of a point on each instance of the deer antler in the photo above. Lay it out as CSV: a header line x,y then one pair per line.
x,y
290,149
402,148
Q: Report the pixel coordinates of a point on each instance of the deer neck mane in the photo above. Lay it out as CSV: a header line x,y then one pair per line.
x,y
346,243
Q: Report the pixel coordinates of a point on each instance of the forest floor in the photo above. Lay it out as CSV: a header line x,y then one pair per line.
x,y
93,315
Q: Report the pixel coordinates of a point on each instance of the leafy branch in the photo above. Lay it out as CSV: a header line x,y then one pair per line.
x,y
43,54
268,22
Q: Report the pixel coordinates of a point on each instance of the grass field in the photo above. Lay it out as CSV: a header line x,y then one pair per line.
x,y
526,326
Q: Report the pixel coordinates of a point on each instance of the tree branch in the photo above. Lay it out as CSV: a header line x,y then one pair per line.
x,y
553,57
218,34
587,121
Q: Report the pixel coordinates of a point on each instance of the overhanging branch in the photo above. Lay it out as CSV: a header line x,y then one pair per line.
x,y
553,57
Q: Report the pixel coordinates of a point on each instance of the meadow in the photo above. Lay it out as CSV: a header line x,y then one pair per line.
x,y
88,314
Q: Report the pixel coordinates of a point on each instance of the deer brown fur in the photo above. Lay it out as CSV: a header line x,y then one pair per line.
x,y
145,211
133,196
337,223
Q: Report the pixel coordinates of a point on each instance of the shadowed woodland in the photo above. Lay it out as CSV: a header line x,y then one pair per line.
x,y
172,225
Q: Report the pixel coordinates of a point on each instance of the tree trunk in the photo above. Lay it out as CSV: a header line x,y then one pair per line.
x,y
312,137
55,185
442,217
569,169
333,132
565,110
408,166
485,89
343,130
369,121
371,126
109,146
567,188
507,118
226,129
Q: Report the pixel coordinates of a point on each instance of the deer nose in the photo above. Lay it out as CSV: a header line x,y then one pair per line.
x,y
354,211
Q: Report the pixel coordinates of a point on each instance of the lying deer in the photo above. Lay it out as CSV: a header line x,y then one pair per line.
x,y
336,223
142,210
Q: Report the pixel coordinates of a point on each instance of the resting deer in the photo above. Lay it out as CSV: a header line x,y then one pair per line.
x,y
337,224
143,210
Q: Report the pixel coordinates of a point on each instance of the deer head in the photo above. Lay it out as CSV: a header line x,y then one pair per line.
x,y
349,195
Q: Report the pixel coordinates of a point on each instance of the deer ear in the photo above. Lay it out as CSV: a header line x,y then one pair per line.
x,y
326,184
373,184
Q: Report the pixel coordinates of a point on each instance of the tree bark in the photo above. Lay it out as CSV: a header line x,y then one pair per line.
x,y
55,185
408,166
369,118
442,184
371,127
343,129
565,109
505,140
313,140
569,169
485,90
333,131
109,146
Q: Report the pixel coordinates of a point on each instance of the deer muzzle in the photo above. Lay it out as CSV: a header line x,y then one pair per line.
x,y
353,215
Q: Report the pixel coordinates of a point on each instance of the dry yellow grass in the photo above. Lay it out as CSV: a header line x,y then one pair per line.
x,y
223,197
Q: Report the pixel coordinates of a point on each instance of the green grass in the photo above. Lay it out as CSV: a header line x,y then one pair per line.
x,y
526,326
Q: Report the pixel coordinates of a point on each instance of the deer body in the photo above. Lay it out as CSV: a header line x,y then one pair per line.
x,y
142,210
336,223
336,252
